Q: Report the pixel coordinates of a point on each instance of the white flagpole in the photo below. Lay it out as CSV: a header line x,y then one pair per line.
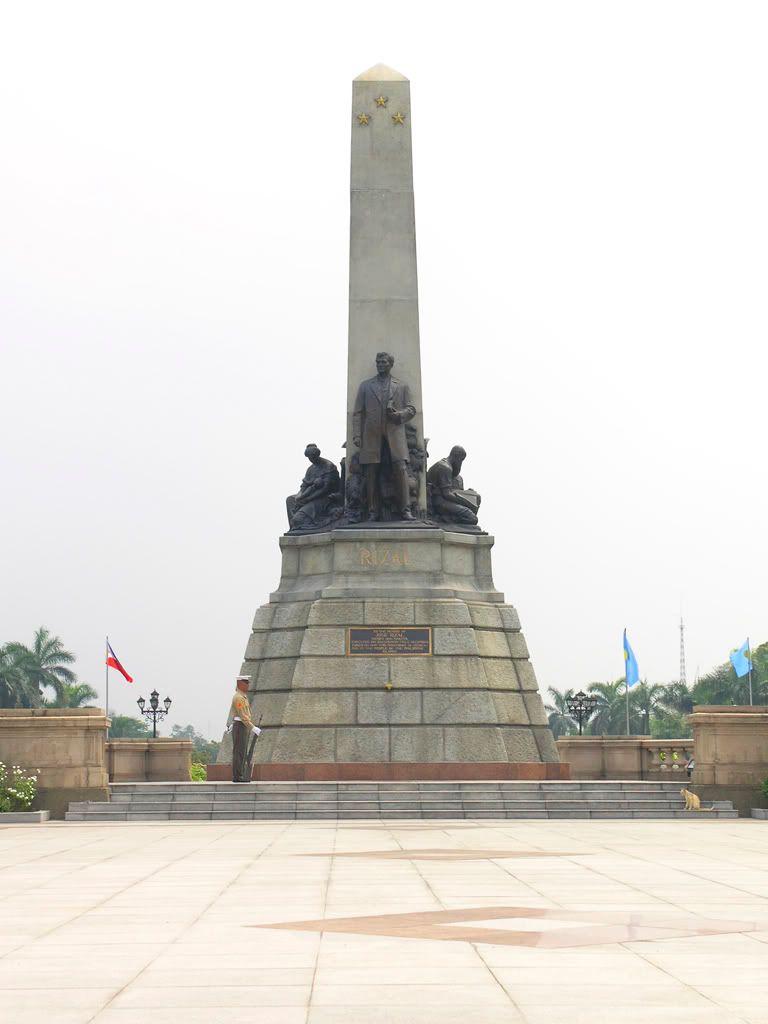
x,y
106,674
749,655
626,680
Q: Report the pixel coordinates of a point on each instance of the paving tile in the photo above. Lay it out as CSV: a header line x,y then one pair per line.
x,y
631,1012
410,995
200,1015
44,1000
220,996
417,1014
165,922
161,976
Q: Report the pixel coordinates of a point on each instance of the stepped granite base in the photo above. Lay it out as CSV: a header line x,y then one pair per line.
x,y
360,771
470,697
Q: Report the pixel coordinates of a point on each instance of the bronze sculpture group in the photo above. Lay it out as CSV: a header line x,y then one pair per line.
x,y
381,477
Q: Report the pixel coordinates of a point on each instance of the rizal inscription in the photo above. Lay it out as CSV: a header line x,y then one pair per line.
x,y
373,641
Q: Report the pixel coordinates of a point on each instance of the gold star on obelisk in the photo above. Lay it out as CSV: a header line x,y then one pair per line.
x,y
381,101
398,118
363,118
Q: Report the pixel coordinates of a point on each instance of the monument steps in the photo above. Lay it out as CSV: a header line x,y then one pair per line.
x,y
265,801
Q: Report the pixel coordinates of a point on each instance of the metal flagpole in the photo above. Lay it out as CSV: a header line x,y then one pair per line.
x,y
626,675
106,674
749,656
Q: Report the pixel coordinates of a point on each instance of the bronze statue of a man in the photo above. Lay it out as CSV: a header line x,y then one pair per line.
x,y
382,408
319,494
449,501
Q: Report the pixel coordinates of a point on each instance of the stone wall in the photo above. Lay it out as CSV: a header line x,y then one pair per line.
x,y
731,745
159,760
67,745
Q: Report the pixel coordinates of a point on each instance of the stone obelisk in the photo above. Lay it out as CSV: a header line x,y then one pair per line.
x,y
383,288
387,652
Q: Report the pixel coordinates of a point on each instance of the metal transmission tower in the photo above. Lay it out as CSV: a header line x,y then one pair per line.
x,y
682,651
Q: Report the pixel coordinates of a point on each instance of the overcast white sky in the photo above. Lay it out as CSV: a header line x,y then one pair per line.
x,y
592,216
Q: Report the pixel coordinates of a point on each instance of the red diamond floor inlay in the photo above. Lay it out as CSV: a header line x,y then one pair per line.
x,y
544,928
441,853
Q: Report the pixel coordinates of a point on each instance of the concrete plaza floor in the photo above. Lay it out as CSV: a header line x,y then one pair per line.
x,y
546,922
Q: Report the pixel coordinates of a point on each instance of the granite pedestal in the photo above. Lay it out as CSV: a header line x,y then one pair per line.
x,y
473,701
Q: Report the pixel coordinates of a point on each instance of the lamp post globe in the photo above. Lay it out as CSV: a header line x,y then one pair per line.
x,y
581,706
154,711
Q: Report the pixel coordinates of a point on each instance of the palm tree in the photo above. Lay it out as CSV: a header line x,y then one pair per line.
x,y
610,716
646,700
45,662
560,721
75,695
723,686
16,690
671,710
677,699
760,674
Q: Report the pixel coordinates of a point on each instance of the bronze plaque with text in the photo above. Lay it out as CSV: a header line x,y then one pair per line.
x,y
379,641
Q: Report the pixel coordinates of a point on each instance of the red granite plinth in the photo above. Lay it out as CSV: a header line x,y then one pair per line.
x,y
438,771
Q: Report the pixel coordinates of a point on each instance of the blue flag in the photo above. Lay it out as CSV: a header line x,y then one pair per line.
x,y
631,671
741,660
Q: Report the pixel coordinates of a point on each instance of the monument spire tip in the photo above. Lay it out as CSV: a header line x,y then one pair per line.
x,y
381,73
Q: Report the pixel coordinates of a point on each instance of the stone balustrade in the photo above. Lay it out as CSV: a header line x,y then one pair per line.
x,y
665,758
625,757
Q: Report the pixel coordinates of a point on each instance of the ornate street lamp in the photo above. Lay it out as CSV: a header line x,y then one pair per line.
x,y
581,707
154,711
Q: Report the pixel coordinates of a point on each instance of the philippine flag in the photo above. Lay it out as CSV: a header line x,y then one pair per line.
x,y
114,662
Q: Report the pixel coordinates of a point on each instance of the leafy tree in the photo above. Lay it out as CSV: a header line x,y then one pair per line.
x,y
124,727
560,721
16,689
203,751
207,753
45,662
75,695
670,727
187,732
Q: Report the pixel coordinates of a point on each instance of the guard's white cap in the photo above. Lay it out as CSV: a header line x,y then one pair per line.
x,y
244,679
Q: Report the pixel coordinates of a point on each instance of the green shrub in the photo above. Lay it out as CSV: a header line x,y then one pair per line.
x,y
17,790
198,772
765,788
